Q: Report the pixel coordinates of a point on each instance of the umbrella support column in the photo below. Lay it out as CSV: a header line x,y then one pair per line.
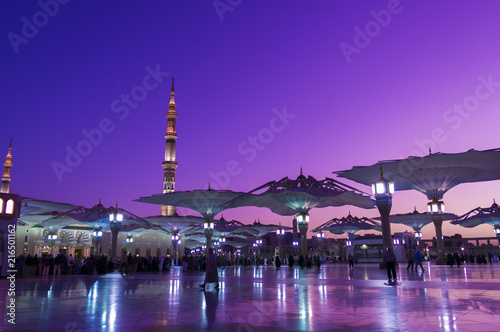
x,y
437,219
384,205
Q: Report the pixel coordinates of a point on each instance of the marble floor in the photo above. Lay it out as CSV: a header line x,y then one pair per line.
x,y
333,298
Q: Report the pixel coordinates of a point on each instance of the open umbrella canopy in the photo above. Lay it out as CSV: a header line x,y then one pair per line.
x,y
349,225
98,218
208,202
258,229
305,193
415,219
480,216
175,224
31,206
434,174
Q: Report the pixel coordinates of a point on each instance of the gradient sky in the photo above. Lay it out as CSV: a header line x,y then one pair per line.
x,y
352,99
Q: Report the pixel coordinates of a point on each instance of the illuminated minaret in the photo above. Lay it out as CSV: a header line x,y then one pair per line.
x,y
170,165
6,171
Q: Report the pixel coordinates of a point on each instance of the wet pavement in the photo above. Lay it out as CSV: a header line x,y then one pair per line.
x,y
333,298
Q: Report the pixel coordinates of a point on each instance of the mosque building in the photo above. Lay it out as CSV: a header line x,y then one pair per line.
x,y
32,238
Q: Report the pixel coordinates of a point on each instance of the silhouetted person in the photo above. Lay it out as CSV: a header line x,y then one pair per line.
x,y
390,263
290,261
411,260
277,262
450,260
211,275
418,261
457,258
350,259
301,261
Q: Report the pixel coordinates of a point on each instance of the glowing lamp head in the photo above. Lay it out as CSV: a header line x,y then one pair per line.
x,y
129,240
295,243
222,240
497,231
382,186
303,218
208,224
418,235
348,243
436,206
320,235
175,237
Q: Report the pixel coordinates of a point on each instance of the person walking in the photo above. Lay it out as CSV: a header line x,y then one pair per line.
x,y
278,262
211,275
290,261
418,261
390,263
410,259
123,263
350,259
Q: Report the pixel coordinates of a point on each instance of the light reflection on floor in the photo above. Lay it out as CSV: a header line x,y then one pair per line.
x,y
262,299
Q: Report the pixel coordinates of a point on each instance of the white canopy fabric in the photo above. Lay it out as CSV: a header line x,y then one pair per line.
x,y
434,174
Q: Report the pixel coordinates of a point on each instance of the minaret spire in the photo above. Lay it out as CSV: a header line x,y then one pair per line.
x,y
6,171
172,93
170,164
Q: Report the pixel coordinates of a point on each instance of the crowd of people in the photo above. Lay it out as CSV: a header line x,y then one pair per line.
x,y
62,264
127,264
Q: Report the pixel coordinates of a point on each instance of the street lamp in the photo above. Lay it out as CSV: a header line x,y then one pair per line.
x,y
303,222
115,223
97,234
320,236
175,241
52,237
436,206
129,239
280,234
497,231
382,190
436,209
208,226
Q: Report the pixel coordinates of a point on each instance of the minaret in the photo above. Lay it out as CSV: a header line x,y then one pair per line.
x,y
6,171
170,165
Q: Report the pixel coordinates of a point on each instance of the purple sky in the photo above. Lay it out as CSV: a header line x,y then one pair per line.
x,y
351,99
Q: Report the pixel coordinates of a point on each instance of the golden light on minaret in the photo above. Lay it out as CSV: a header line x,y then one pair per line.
x,y
6,171
170,164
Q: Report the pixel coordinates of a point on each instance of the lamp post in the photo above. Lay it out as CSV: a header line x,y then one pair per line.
x,y
115,223
436,209
280,234
52,237
382,190
303,222
175,241
320,236
208,226
295,244
96,235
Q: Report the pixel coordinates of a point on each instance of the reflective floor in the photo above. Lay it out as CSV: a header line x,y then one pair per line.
x,y
332,298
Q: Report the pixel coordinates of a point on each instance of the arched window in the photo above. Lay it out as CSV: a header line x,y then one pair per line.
x,y
9,207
